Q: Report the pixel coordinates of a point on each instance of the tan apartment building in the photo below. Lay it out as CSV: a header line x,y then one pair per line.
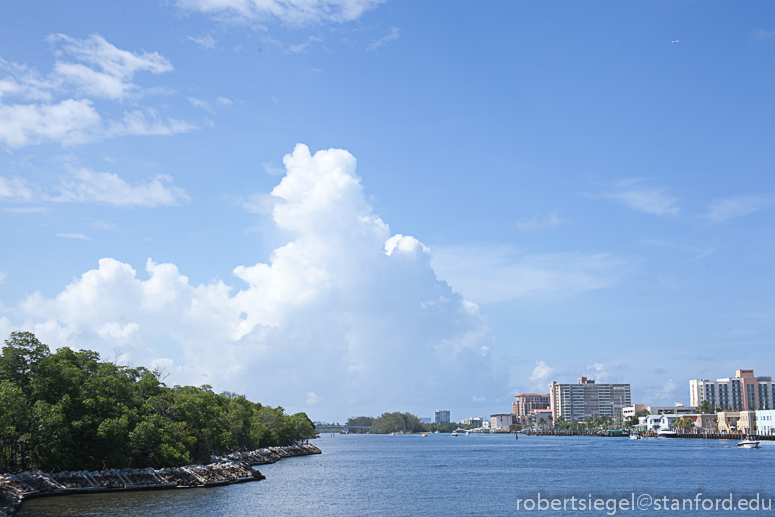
x,y
736,422
743,392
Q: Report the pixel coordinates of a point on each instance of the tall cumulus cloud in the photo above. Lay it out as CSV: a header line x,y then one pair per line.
x,y
345,317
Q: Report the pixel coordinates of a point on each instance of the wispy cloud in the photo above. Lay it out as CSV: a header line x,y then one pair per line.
x,y
729,208
393,34
85,185
535,223
700,253
295,13
86,69
223,101
632,193
74,236
488,274
761,35
197,103
205,41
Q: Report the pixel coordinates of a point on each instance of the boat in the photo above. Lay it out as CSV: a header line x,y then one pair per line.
x,y
748,443
635,436
453,433
666,432
425,434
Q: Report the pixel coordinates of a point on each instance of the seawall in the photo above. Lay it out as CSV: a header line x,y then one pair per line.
x,y
222,470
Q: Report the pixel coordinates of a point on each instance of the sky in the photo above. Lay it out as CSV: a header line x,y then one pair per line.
x,y
348,207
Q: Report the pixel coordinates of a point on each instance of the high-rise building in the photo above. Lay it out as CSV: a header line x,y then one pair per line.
x,y
440,417
587,400
743,392
527,402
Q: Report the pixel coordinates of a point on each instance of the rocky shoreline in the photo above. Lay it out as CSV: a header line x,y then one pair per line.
x,y
222,470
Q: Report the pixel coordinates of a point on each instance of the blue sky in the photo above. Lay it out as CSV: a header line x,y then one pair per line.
x,y
541,192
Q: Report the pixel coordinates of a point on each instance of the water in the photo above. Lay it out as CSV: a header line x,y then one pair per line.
x,y
468,475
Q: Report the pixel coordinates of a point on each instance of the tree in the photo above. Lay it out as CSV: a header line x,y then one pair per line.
x,y
72,411
21,355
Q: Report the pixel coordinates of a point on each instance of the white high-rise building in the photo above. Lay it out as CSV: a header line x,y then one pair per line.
x,y
587,400
743,392
440,417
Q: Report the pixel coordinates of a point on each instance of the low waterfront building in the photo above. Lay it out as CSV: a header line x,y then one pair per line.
x,y
587,400
501,421
542,418
703,423
441,417
678,408
736,422
743,392
524,403
472,421
765,421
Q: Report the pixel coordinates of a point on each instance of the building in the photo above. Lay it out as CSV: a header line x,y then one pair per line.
x,y
426,420
587,400
441,417
703,423
736,422
765,421
472,421
743,392
542,418
657,410
525,403
501,421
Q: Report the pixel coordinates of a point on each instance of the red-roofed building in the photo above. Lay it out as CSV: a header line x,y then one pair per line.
x,y
527,402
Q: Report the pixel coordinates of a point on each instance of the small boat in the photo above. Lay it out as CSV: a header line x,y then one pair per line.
x,y
453,433
748,443
635,436
665,432
424,435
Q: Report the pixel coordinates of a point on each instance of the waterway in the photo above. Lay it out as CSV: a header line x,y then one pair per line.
x,y
467,475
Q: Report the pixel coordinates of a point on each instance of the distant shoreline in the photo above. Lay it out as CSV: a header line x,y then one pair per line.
x,y
224,470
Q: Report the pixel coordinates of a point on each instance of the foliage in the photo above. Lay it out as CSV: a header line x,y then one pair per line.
x,y
396,423
70,411
360,421
683,423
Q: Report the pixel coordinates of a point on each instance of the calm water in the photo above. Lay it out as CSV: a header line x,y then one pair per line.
x,y
467,475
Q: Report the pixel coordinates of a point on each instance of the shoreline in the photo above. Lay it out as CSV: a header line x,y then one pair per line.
x,y
229,469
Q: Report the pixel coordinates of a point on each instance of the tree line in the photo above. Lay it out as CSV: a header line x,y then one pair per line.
x,y
69,410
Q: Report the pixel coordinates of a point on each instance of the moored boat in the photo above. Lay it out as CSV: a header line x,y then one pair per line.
x,y
665,432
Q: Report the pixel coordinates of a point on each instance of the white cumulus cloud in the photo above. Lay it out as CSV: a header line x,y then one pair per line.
x,y
541,372
330,314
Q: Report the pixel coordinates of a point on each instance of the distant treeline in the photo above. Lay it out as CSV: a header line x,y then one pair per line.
x,y
71,411
402,422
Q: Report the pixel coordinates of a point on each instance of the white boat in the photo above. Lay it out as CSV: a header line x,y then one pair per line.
x,y
425,434
635,436
453,433
748,443
665,432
